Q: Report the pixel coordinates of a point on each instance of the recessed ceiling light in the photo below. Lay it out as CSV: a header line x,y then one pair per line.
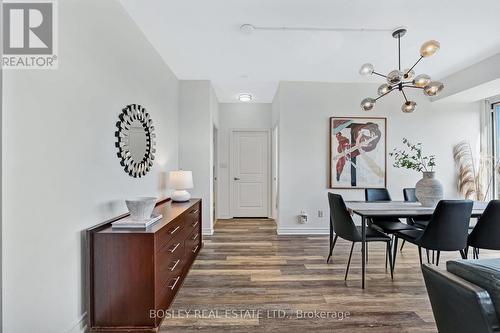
x,y
245,97
247,28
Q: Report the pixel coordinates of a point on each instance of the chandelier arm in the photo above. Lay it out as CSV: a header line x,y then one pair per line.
x,y
404,95
415,87
376,73
414,65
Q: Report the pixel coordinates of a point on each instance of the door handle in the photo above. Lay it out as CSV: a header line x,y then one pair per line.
x,y
236,178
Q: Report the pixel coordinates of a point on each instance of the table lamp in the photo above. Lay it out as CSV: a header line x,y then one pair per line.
x,y
181,181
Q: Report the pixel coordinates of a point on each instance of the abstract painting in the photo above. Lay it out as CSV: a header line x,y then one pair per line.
x,y
357,152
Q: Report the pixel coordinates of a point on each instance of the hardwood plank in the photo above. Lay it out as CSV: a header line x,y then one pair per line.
x,y
246,266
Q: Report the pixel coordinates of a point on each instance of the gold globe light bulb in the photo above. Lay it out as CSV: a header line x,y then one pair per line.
x,y
384,89
422,80
366,69
394,77
367,104
409,107
429,48
433,88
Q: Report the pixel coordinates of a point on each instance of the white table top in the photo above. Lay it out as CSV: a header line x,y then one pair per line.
x,y
400,208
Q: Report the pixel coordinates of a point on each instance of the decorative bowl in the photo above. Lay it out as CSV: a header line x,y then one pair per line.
x,y
141,208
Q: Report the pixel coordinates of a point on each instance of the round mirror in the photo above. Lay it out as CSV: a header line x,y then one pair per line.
x,y
135,140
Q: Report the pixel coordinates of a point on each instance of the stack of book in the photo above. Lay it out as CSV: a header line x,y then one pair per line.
x,y
128,222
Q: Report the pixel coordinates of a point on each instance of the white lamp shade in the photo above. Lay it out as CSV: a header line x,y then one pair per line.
x,y
180,180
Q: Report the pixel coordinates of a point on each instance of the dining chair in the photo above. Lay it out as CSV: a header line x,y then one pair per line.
x,y
420,221
386,224
447,230
486,233
342,224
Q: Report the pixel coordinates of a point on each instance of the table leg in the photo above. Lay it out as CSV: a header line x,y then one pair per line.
x,y
363,251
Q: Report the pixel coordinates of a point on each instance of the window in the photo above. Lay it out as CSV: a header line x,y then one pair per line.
x,y
496,144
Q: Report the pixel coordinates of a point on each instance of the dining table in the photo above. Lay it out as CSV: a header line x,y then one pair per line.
x,y
393,209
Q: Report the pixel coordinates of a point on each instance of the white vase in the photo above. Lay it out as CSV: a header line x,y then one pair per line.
x,y
429,190
141,208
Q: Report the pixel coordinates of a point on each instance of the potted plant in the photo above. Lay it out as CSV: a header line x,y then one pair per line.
x,y
428,189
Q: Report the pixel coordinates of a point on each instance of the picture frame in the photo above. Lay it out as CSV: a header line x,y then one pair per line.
x,y
357,152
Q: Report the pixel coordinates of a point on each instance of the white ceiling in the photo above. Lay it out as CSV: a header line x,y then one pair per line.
x,y
200,39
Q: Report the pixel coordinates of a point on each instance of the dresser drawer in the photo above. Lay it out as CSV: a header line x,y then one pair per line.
x,y
193,243
166,293
167,233
194,224
193,216
169,261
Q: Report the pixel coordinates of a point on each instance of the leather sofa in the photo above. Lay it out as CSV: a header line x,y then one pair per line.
x,y
466,297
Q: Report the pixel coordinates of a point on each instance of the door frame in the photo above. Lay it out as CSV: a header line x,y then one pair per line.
x,y
231,167
492,108
215,172
275,172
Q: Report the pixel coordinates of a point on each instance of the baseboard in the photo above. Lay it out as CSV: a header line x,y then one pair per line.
x,y
303,231
207,232
80,326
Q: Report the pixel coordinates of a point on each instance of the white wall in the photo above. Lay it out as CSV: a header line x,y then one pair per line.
x,y
198,107
304,111
61,173
235,116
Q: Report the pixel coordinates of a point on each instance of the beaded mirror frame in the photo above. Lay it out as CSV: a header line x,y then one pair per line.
x,y
131,114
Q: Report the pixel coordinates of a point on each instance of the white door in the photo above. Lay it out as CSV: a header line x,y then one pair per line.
x,y
250,173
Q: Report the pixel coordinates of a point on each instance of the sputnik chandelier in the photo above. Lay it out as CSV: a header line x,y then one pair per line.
x,y
402,79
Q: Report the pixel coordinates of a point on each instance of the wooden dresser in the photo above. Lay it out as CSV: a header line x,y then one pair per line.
x,y
131,272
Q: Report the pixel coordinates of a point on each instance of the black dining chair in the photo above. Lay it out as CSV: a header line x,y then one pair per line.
x,y
386,224
342,224
486,233
447,230
420,221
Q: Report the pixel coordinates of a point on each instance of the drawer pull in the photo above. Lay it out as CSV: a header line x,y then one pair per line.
x,y
175,265
195,211
194,224
172,250
196,248
175,283
194,237
174,230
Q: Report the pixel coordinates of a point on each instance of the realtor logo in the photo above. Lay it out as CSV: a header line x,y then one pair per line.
x,y
28,35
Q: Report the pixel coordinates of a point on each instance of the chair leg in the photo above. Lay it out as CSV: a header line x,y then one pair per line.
x,y
367,252
433,261
420,254
462,254
332,245
395,249
388,254
386,257
475,253
437,258
402,244
349,262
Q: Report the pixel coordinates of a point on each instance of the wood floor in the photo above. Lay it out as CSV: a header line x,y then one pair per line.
x,y
255,281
